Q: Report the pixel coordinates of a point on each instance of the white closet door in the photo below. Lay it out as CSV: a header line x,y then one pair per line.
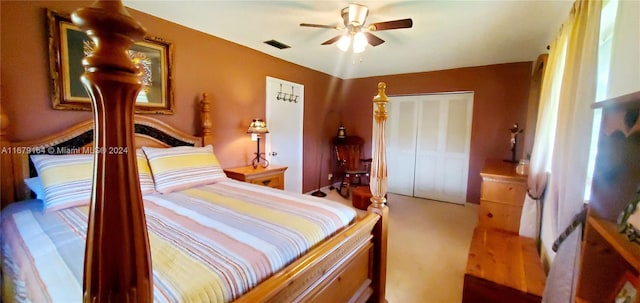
x,y
438,128
431,123
442,153
401,144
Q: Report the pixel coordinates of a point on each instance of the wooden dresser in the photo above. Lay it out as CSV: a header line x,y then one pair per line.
x,y
501,196
502,267
272,176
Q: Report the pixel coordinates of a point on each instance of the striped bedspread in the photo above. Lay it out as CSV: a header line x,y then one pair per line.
x,y
209,244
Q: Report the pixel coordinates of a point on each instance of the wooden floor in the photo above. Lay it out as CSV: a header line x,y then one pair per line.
x,y
428,246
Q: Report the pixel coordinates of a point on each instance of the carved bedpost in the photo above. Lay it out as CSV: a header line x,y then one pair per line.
x,y
378,187
205,108
6,166
117,264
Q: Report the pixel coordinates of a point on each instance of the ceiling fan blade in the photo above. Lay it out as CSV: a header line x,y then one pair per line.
x,y
332,40
395,24
373,39
320,26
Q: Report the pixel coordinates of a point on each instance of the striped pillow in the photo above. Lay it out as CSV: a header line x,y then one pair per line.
x,y
67,179
144,171
177,168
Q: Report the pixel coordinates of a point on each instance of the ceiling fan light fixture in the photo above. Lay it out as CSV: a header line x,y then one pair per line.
x,y
357,14
355,34
344,43
359,42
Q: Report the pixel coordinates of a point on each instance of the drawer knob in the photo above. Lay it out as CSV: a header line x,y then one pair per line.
x,y
266,182
490,215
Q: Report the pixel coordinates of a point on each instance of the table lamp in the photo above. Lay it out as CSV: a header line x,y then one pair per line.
x,y
257,127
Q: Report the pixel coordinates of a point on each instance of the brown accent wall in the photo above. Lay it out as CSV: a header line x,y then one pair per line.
x,y
234,77
500,99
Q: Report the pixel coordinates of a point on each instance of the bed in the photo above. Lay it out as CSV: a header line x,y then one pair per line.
x,y
136,242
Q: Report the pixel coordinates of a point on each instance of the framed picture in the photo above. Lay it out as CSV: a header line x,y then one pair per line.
x,y
629,220
68,45
626,290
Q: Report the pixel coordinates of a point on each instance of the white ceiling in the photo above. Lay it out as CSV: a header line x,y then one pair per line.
x,y
445,34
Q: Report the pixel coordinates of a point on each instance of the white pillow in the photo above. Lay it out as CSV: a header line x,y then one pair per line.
x,y
177,168
35,185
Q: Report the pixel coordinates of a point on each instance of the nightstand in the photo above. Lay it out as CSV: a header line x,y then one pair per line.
x,y
502,194
272,176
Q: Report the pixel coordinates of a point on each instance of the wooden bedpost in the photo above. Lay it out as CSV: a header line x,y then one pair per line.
x,y
117,265
378,187
205,109
6,166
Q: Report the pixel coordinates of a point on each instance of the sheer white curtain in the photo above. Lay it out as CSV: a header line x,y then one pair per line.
x,y
544,137
559,157
564,196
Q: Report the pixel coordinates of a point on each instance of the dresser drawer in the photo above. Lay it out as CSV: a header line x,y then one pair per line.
x,y
275,181
505,192
496,215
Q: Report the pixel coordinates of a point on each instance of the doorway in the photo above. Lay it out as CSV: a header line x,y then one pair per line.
x,y
284,117
428,145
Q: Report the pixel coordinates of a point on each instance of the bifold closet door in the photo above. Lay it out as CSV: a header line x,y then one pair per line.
x,y
438,128
401,144
442,148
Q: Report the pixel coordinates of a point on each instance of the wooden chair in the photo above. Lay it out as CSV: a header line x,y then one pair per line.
x,y
351,166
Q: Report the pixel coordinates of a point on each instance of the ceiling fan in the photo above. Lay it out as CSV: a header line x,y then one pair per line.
x,y
354,17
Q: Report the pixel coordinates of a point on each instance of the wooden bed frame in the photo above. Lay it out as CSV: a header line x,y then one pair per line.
x,y
350,266
79,139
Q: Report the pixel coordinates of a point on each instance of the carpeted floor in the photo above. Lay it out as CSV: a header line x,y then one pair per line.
x,y
428,246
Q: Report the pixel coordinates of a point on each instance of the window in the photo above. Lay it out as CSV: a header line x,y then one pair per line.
x,y
607,23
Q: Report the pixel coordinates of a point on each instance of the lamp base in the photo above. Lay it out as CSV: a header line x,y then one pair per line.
x,y
259,160
318,193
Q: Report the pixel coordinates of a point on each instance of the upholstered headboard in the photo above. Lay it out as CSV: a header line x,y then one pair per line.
x,y
78,139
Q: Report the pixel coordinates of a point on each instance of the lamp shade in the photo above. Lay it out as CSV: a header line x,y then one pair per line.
x,y
359,42
257,126
344,42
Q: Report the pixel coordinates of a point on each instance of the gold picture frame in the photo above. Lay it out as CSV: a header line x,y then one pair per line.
x,y
68,45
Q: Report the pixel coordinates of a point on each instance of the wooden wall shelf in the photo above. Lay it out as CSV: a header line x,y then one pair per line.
x,y
608,257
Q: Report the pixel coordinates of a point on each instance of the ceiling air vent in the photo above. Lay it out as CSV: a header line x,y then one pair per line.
x,y
277,44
